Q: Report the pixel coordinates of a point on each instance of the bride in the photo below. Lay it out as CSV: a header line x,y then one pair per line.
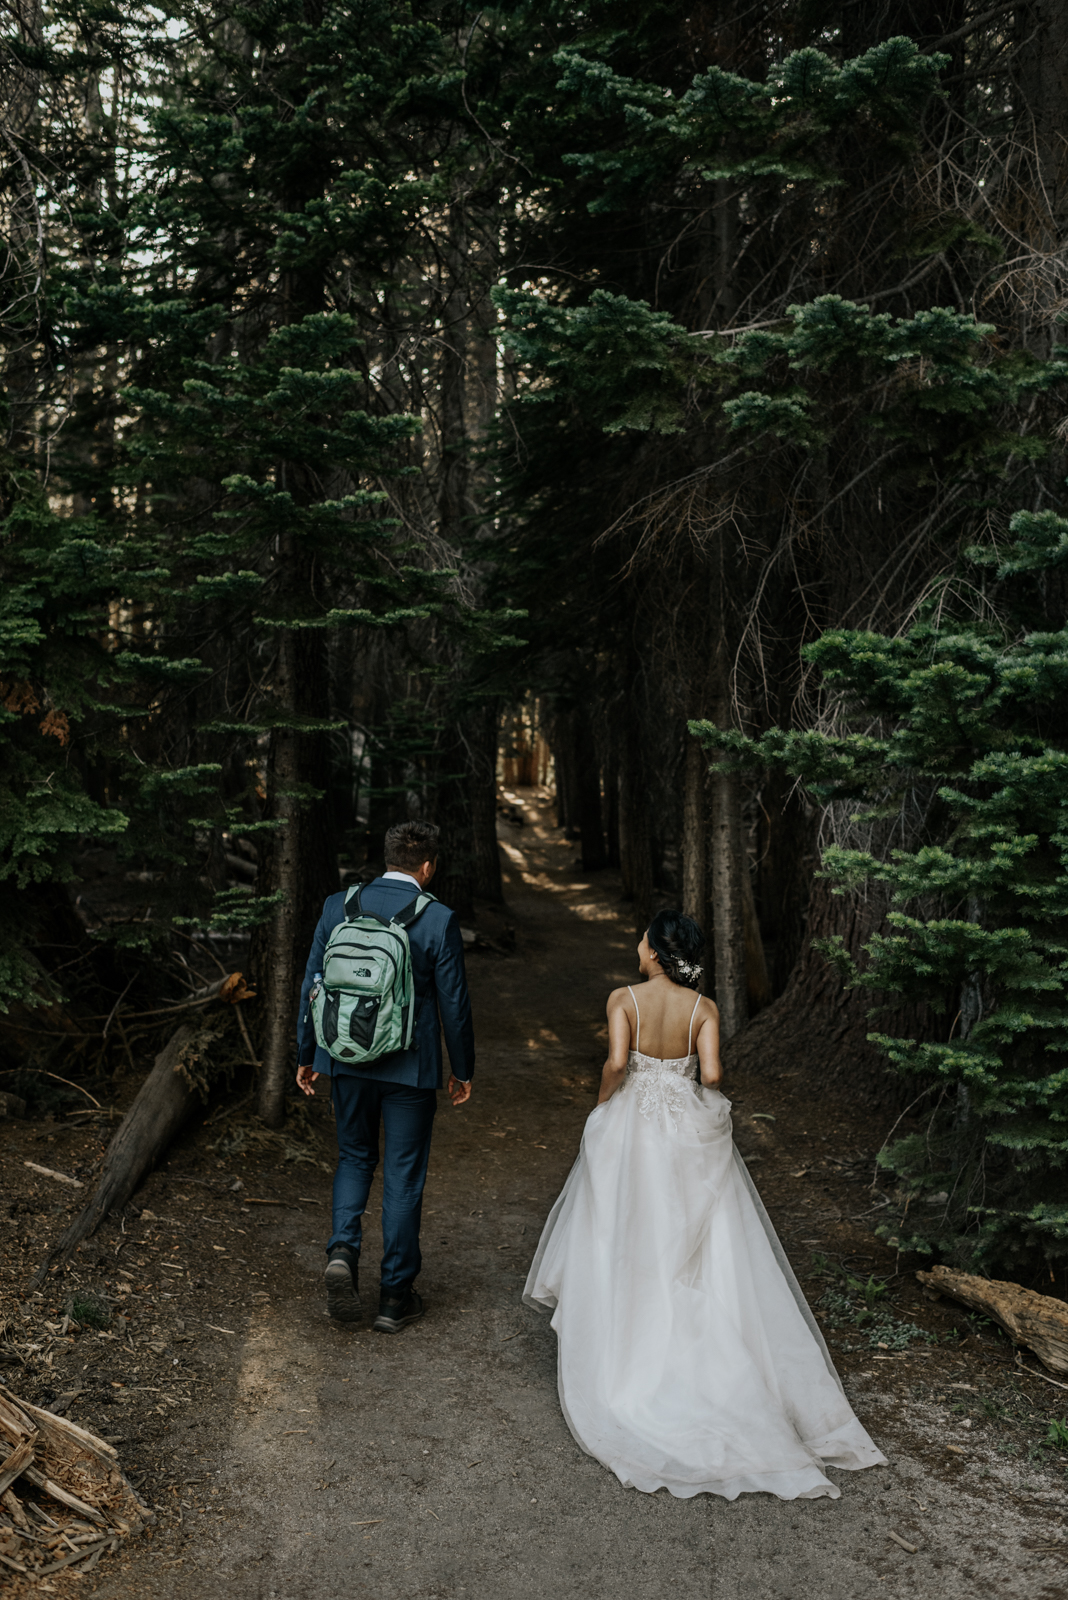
x,y
688,1357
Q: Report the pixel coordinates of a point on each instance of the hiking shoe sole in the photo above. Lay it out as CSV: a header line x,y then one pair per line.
x,y
342,1299
385,1322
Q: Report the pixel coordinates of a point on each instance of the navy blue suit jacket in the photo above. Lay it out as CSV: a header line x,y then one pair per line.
x,y
442,1001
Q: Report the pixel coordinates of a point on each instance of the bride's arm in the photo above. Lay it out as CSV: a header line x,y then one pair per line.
x,y
708,1045
615,1067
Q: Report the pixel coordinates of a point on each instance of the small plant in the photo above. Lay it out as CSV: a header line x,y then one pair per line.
x,y
838,1309
872,1292
884,1330
89,1309
889,1333
1057,1436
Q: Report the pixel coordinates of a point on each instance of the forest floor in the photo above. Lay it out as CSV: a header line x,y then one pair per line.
x,y
288,1458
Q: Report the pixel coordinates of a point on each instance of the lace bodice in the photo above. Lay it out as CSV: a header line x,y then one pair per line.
x,y
662,1084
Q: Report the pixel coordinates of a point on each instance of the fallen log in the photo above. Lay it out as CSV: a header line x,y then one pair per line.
x,y
1036,1321
181,1075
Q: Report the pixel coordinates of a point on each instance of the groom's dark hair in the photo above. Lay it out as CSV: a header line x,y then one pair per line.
x,y
409,844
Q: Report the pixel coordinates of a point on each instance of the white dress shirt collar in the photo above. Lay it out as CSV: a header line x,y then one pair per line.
x,y
404,877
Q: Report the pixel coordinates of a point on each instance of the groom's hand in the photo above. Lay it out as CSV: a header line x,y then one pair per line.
x,y
306,1077
459,1090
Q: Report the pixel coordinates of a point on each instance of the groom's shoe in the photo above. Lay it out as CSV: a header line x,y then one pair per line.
x,y
395,1311
340,1277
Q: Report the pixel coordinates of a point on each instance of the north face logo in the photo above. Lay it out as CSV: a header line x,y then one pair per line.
x,y
364,972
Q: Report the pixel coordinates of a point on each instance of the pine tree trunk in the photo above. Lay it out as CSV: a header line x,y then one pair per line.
x,y
565,762
635,843
726,867
302,859
277,973
611,806
483,792
694,831
452,494
786,859
757,982
588,787
455,881
727,907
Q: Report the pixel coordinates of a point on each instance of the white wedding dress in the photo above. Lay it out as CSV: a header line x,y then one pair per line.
x,y
688,1357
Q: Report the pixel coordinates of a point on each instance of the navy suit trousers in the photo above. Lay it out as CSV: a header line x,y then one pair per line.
x,y
407,1117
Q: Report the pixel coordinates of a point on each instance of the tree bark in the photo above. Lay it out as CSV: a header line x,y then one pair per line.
x,y
588,787
611,806
786,857
727,866
277,972
727,903
302,861
694,831
452,494
483,792
635,842
466,812
757,982
562,740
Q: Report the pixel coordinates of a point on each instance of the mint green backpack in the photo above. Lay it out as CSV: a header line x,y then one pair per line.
x,y
363,1001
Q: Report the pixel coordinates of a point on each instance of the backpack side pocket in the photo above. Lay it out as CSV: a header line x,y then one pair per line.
x,y
363,1019
329,1015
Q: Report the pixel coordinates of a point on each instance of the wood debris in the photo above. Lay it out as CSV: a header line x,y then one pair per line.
x,y
50,1172
51,1462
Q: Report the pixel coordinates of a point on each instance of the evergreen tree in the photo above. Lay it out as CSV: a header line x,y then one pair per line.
x,y
800,428
951,745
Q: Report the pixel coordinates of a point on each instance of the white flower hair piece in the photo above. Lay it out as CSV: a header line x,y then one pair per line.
x,y
689,969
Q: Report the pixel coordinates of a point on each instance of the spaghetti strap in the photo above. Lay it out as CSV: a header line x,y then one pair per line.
x,y
637,1013
689,1034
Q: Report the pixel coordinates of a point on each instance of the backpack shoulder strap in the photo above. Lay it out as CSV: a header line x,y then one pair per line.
x,y
354,906
413,909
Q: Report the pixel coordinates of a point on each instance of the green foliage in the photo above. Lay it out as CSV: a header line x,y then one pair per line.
x,y
958,730
725,125
614,355
88,1309
58,678
1057,1434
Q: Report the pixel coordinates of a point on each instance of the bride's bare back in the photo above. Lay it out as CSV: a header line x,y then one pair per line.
x,y
660,1018
663,1022
664,1011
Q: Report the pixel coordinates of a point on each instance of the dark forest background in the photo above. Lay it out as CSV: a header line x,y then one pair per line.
x,y
390,390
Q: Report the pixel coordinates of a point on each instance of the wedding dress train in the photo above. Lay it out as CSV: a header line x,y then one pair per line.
x,y
688,1356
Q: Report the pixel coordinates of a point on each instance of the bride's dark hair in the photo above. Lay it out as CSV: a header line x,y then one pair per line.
x,y
678,941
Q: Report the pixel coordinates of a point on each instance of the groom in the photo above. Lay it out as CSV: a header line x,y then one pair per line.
x,y
399,1089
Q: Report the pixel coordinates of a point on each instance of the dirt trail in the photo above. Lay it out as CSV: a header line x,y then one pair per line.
x,y
437,1464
